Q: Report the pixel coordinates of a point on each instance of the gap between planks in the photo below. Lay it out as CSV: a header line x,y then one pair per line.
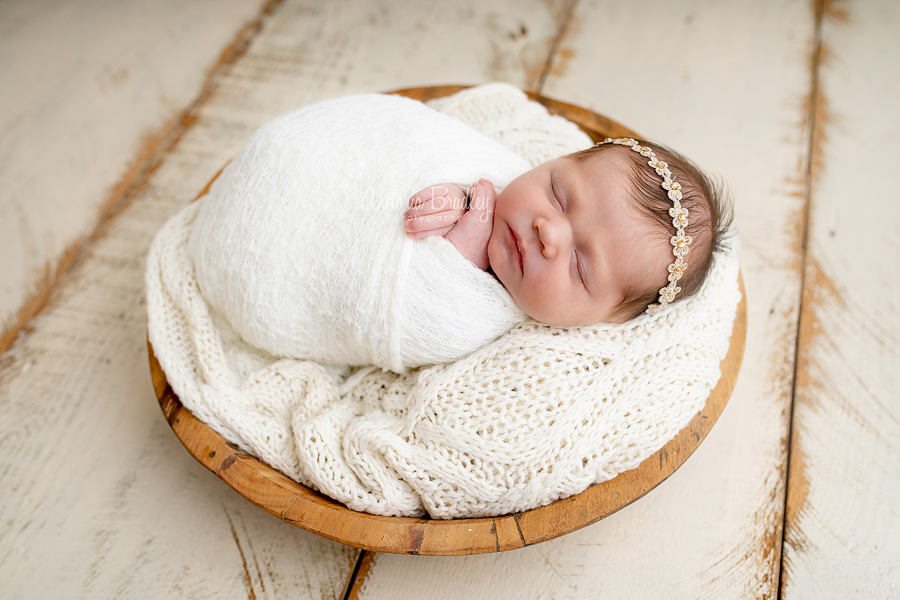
x,y
546,68
358,576
816,120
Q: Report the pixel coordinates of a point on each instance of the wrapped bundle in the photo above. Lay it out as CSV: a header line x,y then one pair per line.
x,y
300,243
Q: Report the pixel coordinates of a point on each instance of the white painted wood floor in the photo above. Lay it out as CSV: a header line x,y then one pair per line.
x,y
115,114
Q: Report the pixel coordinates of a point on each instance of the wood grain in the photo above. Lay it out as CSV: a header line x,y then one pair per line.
x,y
292,502
842,529
91,115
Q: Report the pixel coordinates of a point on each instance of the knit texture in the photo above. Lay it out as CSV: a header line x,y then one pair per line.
x,y
536,415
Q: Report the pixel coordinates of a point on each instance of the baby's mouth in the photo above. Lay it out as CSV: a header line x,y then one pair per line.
x,y
518,251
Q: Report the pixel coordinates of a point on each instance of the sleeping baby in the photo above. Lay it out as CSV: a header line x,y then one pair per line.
x,y
299,248
586,238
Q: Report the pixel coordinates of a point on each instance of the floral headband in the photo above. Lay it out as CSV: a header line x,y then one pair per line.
x,y
680,241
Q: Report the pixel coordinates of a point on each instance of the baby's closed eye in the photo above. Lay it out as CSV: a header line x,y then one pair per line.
x,y
556,198
577,267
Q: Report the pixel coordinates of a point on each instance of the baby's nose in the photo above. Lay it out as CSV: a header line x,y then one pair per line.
x,y
550,235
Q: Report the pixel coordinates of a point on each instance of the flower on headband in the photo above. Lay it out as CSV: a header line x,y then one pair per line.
x,y
679,217
671,185
674,189
680,243
661,168
676,269
668,293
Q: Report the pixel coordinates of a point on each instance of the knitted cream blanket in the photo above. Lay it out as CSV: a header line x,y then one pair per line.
x,y
536,415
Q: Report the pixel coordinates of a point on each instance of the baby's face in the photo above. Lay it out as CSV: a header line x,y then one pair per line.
x,y
567,240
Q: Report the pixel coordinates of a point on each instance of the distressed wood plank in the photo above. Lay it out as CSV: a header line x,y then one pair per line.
x,y
842,531
679,72
86,91
99,498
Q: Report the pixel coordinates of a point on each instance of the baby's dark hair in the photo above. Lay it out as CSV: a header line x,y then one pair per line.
x,y
709,220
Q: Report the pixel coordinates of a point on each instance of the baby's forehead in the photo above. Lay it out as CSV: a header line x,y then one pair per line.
x,y
603,157
602,167
602,174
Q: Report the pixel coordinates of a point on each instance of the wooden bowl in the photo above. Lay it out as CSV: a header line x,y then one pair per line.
x,y
288,500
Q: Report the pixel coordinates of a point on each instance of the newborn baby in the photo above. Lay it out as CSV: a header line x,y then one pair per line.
x,y
299,249
590,237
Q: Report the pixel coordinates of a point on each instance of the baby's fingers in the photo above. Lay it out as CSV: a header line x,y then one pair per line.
x,y
417,221
483,197
428,209
438,197
421,234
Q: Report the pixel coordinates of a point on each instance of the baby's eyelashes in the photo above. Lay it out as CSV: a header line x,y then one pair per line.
x,y
555,197
577,267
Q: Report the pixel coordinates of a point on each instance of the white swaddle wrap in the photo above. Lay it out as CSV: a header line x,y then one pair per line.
x,y
300,242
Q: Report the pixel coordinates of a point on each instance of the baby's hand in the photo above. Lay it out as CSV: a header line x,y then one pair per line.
x,y
471,235
434,210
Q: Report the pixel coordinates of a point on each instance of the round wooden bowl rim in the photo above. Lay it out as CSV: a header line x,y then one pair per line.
x,y
288,500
